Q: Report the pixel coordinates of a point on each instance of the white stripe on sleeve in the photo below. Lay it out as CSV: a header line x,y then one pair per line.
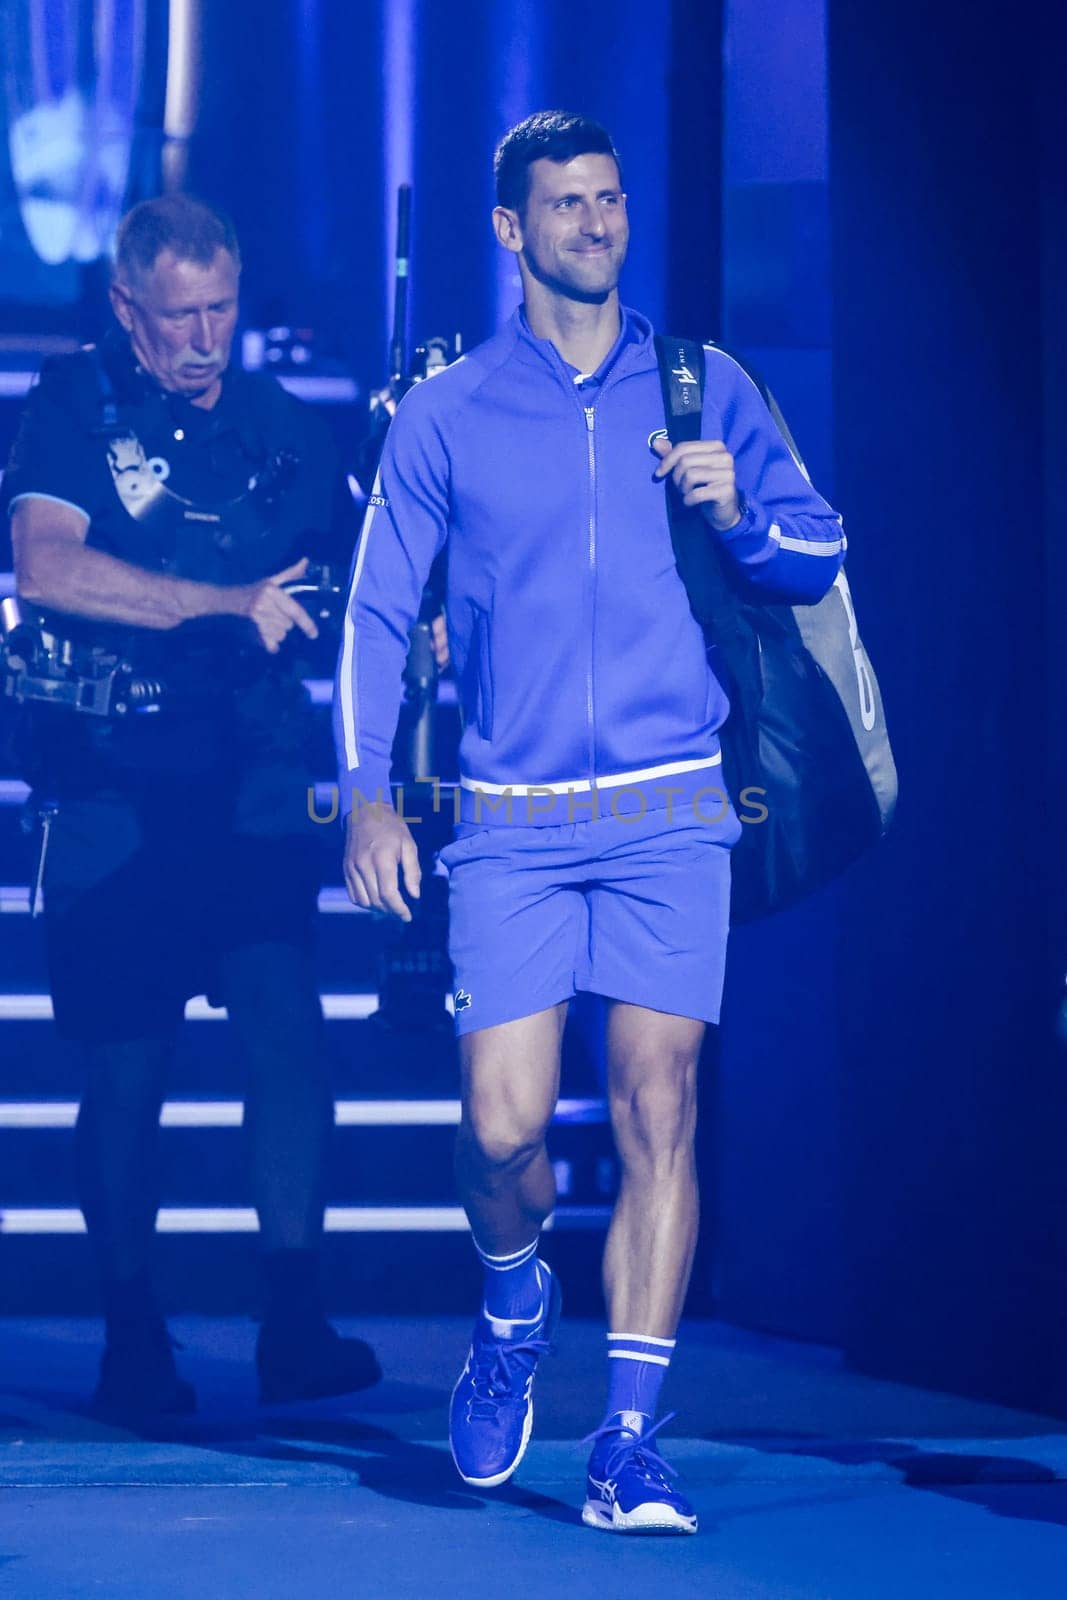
x,y
346,684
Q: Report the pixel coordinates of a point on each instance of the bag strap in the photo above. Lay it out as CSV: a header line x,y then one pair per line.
x,y
681,376
681,365
769,401
717,596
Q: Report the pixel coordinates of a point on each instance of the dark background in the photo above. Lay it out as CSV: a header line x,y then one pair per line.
x,y
869,202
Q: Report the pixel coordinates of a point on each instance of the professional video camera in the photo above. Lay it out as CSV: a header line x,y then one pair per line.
x,y
43,665
45,660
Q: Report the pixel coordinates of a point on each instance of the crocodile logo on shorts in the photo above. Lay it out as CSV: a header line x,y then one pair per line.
x,y
462,1000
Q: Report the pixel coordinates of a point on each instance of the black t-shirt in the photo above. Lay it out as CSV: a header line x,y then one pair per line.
x,y
235,494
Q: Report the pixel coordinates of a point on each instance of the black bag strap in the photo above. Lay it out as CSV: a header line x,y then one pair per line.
x,y
681,375
718,597
681,364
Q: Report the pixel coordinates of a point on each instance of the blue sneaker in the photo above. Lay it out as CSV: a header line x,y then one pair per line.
x,y
491,1414
627,1489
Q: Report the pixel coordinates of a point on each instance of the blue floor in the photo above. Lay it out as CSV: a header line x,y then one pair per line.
x,y
811,1483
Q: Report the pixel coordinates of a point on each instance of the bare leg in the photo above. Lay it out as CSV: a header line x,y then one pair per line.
x,y
510,1085
652,1063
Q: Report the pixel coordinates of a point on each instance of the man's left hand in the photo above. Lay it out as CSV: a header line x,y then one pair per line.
x,y
702,471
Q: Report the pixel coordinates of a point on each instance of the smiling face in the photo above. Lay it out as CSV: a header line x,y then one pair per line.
x,y
572,233
180,316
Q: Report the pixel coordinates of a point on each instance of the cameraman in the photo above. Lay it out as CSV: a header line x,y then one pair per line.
x,y
159,500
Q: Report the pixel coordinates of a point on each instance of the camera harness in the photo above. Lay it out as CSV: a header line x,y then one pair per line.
x,y
43,665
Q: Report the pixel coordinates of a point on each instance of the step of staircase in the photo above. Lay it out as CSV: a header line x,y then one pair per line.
x,y
396,1162
402,1271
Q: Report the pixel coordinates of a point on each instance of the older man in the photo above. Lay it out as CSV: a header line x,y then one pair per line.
x,y
160,499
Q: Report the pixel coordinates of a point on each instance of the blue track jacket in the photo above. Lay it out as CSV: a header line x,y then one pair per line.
x,y
582,673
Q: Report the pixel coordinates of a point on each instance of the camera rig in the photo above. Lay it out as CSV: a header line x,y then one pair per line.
x,y
44,661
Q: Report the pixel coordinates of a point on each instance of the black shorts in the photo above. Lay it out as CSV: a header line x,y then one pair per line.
x,y
148,884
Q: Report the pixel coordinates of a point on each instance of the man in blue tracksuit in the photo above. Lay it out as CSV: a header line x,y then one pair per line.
x,y
593,842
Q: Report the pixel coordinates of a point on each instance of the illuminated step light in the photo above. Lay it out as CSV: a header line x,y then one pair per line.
x,y
13,792
321,692
324,389
15,900
336,1008
50,1220
43,1114
336,902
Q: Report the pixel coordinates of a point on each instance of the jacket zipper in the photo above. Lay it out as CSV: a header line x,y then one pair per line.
x,y
590,423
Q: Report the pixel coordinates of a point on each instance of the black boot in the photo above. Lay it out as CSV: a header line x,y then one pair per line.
x,y
299,1356
138,1377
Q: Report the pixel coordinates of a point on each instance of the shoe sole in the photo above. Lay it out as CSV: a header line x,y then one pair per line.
x,y
499,1477
551,1324
642,1519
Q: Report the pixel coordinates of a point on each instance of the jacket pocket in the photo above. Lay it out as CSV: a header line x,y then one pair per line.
x,y
483,708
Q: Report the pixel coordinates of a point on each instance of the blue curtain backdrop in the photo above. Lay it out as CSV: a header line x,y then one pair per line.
x,y
314,110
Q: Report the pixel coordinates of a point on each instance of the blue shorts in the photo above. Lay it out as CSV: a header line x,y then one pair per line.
x,y
635,909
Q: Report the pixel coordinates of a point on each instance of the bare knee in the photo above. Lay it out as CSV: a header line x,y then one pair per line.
x,y
510,1084
498,1138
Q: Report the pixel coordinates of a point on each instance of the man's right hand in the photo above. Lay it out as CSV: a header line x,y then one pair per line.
x,y
272,610
378,847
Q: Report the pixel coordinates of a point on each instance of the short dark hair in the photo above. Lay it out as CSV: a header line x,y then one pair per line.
x,y
177,222
547,135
